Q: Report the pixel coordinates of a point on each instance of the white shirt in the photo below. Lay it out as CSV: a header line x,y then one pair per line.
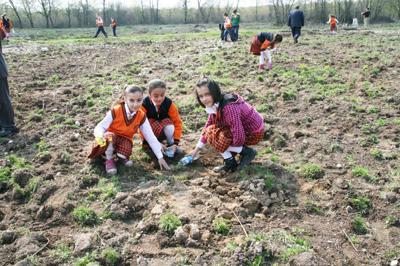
x,y
145,128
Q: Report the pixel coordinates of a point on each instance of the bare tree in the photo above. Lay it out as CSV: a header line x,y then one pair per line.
x,y
142,11
104,10
281,10
68,12
28,5
45,11
14,8
396,6
185,10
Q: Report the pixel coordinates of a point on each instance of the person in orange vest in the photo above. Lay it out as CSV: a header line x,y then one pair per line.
x,y
114,26
228,28
163,115
263,45
100,26
6,25
333,23
115,132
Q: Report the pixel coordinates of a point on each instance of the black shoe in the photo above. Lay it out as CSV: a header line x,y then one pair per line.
x,y
246,156
230,165
4,133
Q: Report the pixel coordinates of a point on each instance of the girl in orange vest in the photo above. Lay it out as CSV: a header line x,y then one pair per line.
x,y
263,44
114,26
163,115
115,132
333,22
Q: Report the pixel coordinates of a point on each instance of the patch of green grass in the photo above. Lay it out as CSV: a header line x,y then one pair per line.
x,y
392,221
289,94
275,158
232,245
221,226
311,171
377,154
257,261
110,256
358,225
373,110
108,190
5,174
361,204
169,222
63,252
297,245
85,216
262,108
312,208
87,259
269,181
363,173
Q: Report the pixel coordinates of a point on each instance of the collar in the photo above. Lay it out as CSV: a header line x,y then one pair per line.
x,y
212,109
128,112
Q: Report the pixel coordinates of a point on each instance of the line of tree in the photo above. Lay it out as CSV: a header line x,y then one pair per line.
x,y
48,13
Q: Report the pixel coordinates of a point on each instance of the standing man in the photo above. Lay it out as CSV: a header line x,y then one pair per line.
x,y
100,26
7,124
366,15
295,22
235,24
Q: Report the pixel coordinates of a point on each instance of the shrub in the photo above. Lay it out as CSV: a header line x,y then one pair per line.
x,y
110,256
359,226
361,204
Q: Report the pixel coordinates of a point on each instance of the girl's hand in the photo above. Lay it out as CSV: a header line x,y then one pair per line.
x,y
194,152
108,135
173,147
163,164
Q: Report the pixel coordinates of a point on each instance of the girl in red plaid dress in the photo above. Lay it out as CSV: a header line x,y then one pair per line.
x,y
115,132
232,125
163,115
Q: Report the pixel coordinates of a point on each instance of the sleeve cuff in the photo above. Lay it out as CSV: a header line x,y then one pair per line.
x,y
159,155
200,144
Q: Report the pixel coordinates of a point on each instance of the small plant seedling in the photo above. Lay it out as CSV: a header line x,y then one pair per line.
x,y
221,226
85,216
311,171
358,226
361,204
110,256
169,222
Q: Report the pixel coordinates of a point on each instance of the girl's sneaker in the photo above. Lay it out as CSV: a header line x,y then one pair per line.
x,y
126,162
261,67
111,168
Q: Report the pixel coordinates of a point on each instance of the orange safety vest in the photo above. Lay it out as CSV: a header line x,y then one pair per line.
x,y
121,125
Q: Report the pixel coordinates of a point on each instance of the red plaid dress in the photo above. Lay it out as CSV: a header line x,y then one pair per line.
x,y
158,126
122,145
221,138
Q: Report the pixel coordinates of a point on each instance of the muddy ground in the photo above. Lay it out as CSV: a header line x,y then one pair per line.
x,y
323,190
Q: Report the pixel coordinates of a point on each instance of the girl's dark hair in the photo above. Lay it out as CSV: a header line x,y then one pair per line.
x,y
213,87
225,14
278,38
156,83
128,89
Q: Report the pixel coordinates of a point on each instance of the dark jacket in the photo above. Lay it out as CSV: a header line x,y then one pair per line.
x,y
296,18
3,67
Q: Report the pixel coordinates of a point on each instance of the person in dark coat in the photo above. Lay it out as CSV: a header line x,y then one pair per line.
x,y
7,124
366,14
295,22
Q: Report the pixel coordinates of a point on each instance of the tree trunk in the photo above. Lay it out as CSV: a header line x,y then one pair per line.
x,y
104,10
16,13
185,10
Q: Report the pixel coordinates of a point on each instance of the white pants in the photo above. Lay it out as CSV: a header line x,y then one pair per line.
x,y
110,152
267,53
228,153
169,133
